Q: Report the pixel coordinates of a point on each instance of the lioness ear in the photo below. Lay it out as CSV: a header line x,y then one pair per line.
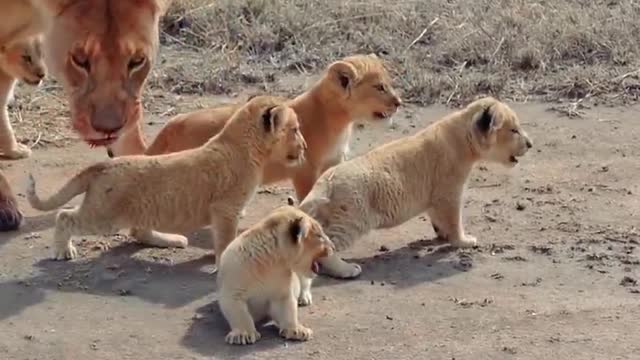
x,y
298,229
270,119
485,121
344,73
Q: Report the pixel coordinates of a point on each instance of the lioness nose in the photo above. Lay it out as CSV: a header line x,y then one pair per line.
x,y
397,102
40,75
107,119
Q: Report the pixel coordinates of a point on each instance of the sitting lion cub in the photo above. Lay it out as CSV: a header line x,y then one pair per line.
x,y
258,274
182,191
424,172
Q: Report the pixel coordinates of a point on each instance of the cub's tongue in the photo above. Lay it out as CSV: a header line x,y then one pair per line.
x,y
315,267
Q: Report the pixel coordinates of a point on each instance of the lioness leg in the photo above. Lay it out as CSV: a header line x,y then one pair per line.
x,y
448,217
304,297
130,142
303,182
9,147
243,330
224,227
284,312
10,215
159,239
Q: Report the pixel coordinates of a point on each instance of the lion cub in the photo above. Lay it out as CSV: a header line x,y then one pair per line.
x,y
19,60
182,191
399,180
258,274
355,87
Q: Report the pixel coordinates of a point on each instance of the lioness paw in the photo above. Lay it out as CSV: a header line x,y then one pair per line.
x,y
19,152
465,242
65,253
242,337
10,216
342,270
300,333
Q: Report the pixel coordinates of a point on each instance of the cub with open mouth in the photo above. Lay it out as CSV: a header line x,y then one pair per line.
x,y
424,172
259,274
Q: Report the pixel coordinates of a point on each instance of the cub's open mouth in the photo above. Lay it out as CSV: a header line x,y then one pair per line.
x,y
380,115
32,82
101,142
513,159
315,267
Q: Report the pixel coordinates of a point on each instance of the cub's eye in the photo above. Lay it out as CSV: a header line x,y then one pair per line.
x,y
381,88
515,131
136,62
81,61
26,58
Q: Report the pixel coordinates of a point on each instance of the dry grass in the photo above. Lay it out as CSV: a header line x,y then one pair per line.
x,y
443,51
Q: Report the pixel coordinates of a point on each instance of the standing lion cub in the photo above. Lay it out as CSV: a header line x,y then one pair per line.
x,y
258,274
424,172
182,191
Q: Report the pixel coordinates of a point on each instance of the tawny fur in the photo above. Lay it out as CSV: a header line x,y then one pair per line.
x,y
356,87
425,172
178,192
19,60
101,52
259,274
20,25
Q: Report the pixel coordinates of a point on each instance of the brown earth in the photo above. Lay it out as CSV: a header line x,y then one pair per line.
x,y
557,271
555,274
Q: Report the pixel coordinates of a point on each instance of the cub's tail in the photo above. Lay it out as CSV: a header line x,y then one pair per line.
x,y
77,185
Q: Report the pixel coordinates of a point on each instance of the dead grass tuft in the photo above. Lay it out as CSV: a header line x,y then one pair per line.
x,y
445,51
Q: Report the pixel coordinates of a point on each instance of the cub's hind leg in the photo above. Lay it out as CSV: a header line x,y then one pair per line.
x,y
73,222
159,239
243,329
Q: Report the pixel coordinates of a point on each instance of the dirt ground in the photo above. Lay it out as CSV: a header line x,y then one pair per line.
x,y
557,270
555,274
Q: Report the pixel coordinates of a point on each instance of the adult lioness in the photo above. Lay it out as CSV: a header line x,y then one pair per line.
x,y
101,52
258,273
356,87
424,172
182,191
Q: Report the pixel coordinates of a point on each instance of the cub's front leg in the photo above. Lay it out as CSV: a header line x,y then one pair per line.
x,y
447,214
243,329
9,147
224,228
285,314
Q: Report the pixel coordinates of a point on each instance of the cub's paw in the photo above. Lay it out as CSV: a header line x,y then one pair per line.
x,y
344,270
10,216
300,333
65,253
19,152
305,298
241,337
465,242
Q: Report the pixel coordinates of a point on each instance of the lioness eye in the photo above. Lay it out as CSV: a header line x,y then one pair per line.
x,y
136,62
26,58
81,61
380,88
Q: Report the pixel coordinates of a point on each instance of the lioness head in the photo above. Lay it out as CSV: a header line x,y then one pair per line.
x,y
23,60
101,52
302,239
497,132
280,122
363,86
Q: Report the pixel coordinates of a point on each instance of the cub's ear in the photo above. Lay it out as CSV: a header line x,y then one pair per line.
x,y
344,74
485,121
298,229
270,119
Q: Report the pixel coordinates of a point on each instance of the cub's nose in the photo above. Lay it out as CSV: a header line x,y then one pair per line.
x,y
529,144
